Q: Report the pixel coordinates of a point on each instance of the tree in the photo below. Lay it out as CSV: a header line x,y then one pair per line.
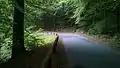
x,y
18,28
118,19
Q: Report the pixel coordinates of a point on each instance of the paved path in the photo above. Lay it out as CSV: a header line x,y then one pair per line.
x,y
84,53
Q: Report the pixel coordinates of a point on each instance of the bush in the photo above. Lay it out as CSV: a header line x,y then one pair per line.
x,y
5,50
33,39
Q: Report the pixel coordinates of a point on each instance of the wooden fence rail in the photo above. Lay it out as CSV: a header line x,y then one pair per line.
x,y
50,59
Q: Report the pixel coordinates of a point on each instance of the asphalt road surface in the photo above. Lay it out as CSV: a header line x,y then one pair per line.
x,y
85,53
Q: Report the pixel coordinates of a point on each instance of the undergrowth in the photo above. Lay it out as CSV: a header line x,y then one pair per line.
x,y
33,39
113,41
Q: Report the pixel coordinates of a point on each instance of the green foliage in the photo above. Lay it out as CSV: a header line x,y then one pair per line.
x,y
53,13
94,16
5,29
5,50
98,16
34,39
35,9
64,12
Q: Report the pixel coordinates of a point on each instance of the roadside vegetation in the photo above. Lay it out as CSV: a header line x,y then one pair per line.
x,y
32,34
99,19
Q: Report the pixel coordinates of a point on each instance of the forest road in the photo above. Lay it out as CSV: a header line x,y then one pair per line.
x,y
85,53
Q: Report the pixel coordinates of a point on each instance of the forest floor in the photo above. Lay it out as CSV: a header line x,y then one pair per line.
x,y
31,59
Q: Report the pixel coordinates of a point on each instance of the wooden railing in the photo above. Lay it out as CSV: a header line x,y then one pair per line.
x,y
50,60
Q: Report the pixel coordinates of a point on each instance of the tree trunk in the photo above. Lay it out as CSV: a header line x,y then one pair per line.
x,y
106,25
54,23
18,28
118,19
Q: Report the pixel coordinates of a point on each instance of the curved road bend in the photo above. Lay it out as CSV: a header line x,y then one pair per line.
x,y
84,53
